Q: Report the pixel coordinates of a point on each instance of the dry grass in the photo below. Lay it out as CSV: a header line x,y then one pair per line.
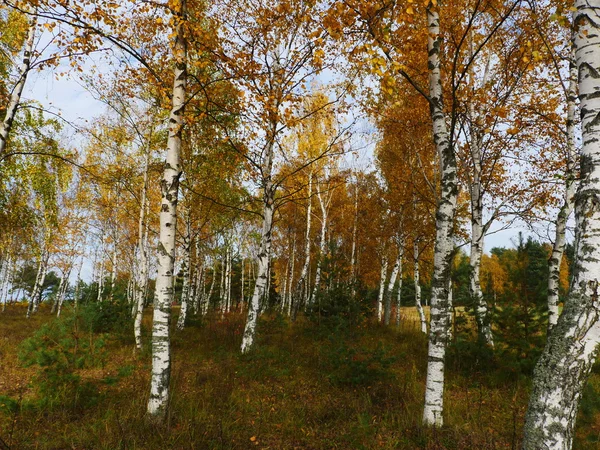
x,y
285,395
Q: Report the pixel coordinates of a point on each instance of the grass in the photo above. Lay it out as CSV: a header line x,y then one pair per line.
x,y
303,387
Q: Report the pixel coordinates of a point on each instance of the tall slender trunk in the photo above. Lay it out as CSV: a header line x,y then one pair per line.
x,y
382,278
291,280
62,291
284,288
161,351
417,282
446,208
353,251
399,296
113,270
567,207
39,289
101,271
242,299
33,293
228,282
322,247
56,297
477,236
211,289
298,295
222,286
572,347
264,252
187,273
77,287
15,98
390,289
263,263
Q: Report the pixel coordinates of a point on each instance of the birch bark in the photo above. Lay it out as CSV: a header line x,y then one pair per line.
x,y
558,248
141,261
388,295
161,352
15,98
187,273
572,347
382,278
299,293
322,246
39,288
263,260
446,208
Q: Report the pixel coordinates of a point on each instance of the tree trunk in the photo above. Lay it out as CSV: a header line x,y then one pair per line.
x,y
417,282
565,211
62,291
161,352
210,290
113,270
399,296
291,280
388,295
322,247
15,98
263,265
564,367
446,208
39,289
101,271
187,273
382,278
298,295
353,251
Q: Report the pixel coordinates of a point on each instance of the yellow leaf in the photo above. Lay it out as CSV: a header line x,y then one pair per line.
x,y
253,438
410,10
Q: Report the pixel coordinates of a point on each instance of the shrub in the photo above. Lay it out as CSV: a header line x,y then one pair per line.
x,y
61,349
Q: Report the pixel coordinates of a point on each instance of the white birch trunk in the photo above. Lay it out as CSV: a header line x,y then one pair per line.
x,y
567,207
187,273
299,296
63,291
477,236
399,296
113,270
382,278
101,271
33,293
76,293
15,98
322,247
210,290
446,208
39,290
57,296
390,289
417,282
228,282
161,352
263,263
242,300
291,280
354,233
572,347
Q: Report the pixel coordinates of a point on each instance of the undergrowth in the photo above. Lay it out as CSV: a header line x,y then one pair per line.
x,y
318,383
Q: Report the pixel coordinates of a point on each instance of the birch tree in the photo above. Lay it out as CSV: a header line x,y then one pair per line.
x,y
161,352
571,350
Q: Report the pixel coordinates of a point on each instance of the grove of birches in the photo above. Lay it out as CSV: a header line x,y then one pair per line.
x,y
279,225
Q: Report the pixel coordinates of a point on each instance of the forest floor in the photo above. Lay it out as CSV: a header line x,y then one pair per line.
x,y
319,383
